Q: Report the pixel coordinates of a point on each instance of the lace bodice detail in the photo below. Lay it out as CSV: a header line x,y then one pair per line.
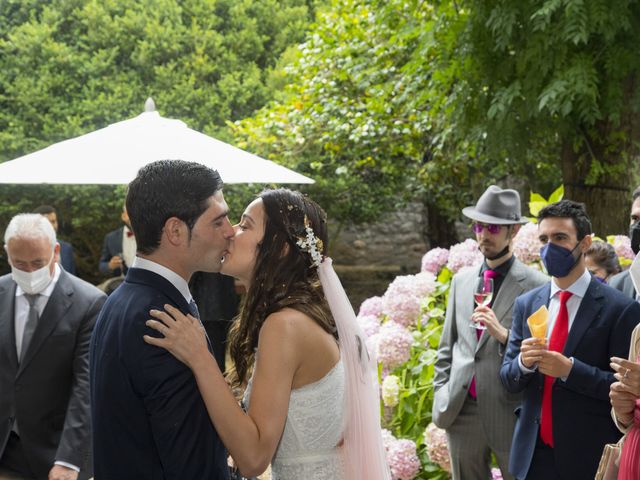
x,y
308,448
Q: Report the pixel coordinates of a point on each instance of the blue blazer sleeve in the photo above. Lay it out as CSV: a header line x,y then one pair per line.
x,y
512,377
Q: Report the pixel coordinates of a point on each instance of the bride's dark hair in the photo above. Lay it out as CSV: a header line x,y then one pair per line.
x,y
284,276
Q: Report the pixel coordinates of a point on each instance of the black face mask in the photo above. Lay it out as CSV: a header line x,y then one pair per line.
x,y
634,235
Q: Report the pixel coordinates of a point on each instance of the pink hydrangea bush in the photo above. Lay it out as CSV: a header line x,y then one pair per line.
x,y
393,345
434,260
465,254
437,446
371,306
622,246
526,244
403,460
401,302
370,325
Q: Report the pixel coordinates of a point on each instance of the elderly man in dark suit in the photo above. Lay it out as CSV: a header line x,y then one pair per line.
x,y
622,281
46,320
149,420
565,419
469,401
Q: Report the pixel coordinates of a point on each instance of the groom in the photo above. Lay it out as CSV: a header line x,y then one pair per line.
x,y
149,421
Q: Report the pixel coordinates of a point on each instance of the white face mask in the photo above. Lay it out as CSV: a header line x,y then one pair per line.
x,y
32,282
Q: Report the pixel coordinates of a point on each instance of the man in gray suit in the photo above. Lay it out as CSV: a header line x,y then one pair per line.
x,y
470,402
46,320
622,281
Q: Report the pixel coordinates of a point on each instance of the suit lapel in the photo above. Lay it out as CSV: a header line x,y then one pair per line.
x,y
146,277
7,323
57,305
465,305
588,311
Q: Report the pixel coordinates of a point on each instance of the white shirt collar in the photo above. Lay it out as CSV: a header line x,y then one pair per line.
x,y
578,288
171,276
52,284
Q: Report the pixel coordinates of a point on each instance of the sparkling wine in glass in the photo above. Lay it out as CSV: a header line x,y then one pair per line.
x,y
482,296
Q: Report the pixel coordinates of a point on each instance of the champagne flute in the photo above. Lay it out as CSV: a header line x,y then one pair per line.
x,y
482,296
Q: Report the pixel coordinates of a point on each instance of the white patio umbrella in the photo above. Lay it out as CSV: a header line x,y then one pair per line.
x,y
113,155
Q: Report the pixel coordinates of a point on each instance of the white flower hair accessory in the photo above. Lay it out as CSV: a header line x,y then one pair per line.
x,y
311,244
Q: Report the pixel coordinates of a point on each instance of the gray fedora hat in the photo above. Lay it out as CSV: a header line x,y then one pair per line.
x,y
496,206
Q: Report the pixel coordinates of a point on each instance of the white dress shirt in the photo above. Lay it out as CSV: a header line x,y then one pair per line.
x,y
20,318
172,277
578,289
22,307
129,247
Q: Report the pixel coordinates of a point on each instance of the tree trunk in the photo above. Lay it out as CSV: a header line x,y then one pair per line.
x,y
608,199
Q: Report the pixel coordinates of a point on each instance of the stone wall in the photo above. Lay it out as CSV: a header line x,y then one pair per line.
x,y
368,257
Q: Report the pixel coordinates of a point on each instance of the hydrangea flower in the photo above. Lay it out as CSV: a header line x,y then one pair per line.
x,y
387,439
622,246
371,306
393,345
434,260
496,474
369,323
526,244
401,301
465,254
403,459
437,447
390,390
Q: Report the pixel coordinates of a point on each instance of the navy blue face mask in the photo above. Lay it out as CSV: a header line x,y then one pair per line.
x,y
558,261
634,235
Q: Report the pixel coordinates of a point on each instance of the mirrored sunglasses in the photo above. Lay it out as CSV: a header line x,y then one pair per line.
x,y
477,227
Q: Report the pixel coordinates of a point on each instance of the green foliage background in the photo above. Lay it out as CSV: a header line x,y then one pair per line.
x,y
379,101
68,67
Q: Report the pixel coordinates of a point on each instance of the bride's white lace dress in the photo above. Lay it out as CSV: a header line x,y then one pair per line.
x,y
308,449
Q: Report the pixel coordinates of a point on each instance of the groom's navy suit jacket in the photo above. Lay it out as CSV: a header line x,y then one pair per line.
x,y
149,420
581,410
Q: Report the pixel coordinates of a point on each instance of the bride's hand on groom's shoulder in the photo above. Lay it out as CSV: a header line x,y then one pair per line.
x,y
182,335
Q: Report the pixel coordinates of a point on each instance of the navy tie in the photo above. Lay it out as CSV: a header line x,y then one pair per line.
x,y
193,309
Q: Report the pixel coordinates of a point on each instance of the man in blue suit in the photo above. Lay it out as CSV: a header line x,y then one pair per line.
x,y
149,420
564,421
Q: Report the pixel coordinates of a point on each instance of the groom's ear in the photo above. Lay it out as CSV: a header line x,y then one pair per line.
x,y
176,231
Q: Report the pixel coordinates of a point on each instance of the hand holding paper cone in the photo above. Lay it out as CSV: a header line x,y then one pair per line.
x,y
538,322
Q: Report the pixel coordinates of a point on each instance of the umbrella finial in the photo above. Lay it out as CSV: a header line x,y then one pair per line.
x,y
149,105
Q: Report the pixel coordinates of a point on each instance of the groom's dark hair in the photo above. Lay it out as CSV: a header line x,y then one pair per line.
x,y
165,189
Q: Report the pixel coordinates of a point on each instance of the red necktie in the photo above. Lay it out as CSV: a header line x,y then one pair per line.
x,y
487,274
556,343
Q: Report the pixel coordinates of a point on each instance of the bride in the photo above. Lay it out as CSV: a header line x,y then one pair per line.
x,y
311,397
